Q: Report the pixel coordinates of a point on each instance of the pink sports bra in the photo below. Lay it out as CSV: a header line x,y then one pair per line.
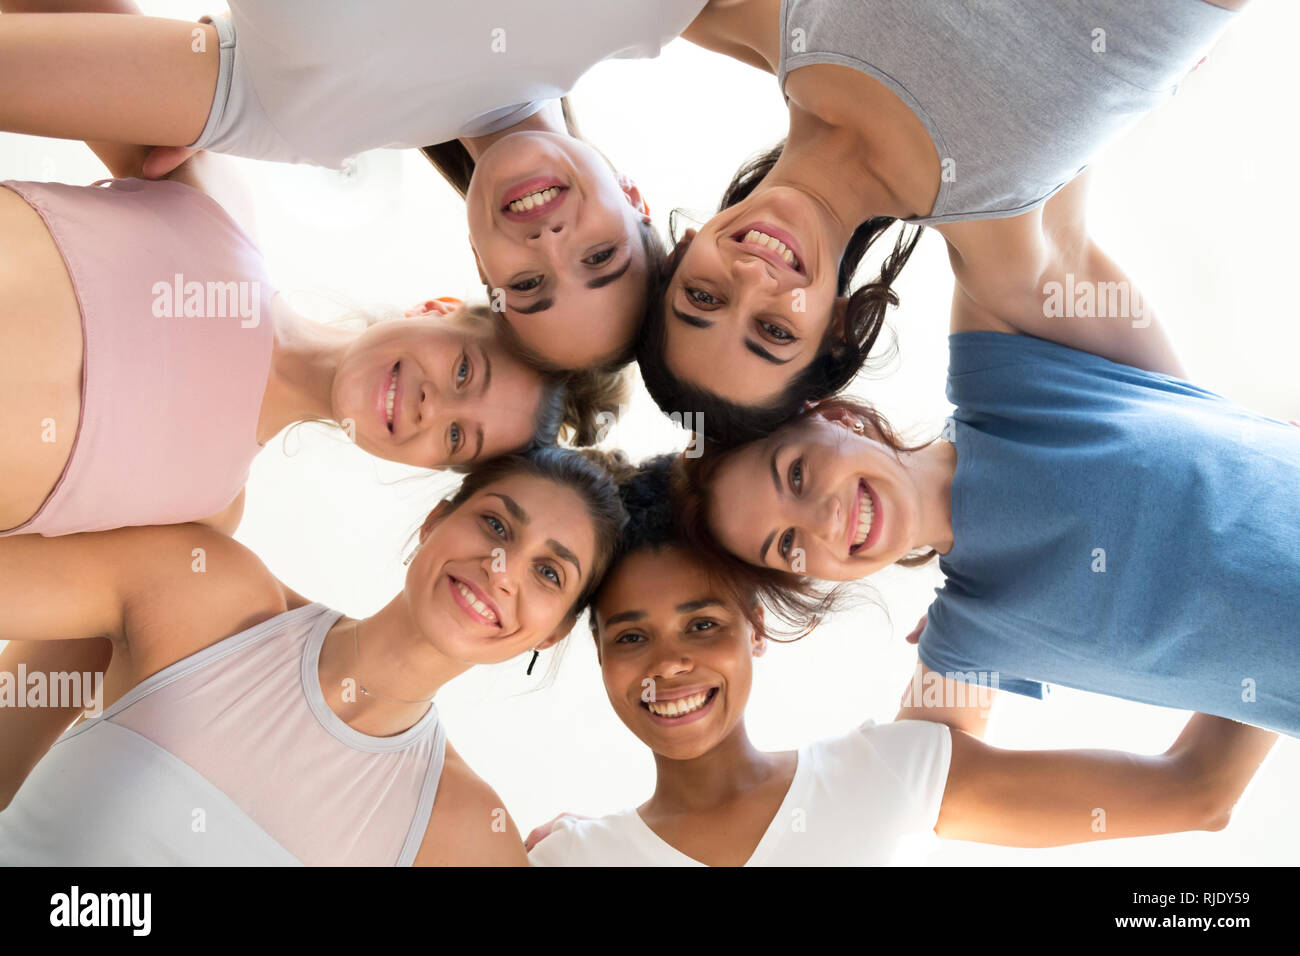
x,y
176,323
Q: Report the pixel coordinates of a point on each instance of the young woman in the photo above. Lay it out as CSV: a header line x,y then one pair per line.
x,y
969,115
267,730
164,360
676,634
564,242
1101,526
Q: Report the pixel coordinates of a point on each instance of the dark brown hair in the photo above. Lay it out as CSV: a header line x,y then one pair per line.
x,y
727,423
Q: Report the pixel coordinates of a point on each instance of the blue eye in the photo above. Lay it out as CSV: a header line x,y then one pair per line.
x,y
796,475
455,435
787,542
552,575
462,370
495,523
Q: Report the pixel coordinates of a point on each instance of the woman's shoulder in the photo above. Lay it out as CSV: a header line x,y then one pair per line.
x,y
468,825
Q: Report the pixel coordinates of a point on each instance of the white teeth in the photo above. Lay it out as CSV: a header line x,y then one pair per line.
x,y
866,514
392,394
476,604
680,707
780,248
539,198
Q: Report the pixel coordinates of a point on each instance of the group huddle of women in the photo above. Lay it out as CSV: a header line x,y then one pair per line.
x,y
244,723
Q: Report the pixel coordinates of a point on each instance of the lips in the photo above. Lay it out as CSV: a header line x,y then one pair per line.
x,y
478,607
533,198
389,392
865,515
753,238
673,708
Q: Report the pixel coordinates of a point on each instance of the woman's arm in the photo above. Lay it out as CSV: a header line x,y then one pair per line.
x,y
1041,274
962,705
97,76
1052,798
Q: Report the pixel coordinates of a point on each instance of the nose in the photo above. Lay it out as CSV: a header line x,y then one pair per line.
x,y
673,662
753,272
830,519
550,227
500,571
426,403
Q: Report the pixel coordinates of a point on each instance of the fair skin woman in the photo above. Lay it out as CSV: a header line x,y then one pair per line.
x,y
663,616
742,319
135,588
568,272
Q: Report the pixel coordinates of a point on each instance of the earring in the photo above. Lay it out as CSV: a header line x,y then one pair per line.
x,y
857,427
536,654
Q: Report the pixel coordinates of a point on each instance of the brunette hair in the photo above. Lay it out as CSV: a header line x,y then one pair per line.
x,y
586,472
835,365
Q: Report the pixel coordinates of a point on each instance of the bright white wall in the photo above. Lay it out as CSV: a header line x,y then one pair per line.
x,y
1195,202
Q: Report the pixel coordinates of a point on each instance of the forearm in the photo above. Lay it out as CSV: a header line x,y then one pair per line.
x,y
1053,798
96,76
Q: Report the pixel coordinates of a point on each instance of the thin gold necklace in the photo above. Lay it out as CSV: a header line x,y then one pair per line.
x,y
356,656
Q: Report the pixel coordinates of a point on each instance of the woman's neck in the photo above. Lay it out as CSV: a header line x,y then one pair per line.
x,y
389,656
932,469
549,119
711,780
304,357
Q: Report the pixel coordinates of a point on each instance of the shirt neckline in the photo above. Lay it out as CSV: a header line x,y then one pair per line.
x,y
771,835
335,725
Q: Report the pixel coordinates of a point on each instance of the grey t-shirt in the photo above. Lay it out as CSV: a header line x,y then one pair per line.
x,y
1018,97
318,81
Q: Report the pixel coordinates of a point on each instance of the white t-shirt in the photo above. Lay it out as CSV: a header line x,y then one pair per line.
x,y
319,81
852,802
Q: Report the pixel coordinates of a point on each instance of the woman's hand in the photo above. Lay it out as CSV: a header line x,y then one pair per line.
x,y
540,833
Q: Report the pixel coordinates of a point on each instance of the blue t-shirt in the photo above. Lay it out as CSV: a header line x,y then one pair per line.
x,y
1118,531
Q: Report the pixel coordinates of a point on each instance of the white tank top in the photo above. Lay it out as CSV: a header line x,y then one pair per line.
x,y
230,757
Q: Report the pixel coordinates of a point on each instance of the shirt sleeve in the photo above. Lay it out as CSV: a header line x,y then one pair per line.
x,y
555,849
918,752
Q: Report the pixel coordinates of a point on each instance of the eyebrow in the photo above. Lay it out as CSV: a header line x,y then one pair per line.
x,y
696,322
690,606
487,370
565,553
601,281
516,512
478,449
539,307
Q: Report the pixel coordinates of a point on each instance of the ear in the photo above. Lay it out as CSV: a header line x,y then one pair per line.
x,y
443,305
842,416
559,633
836,332
634,196
758,640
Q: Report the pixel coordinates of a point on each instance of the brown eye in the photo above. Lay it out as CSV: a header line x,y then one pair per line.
x,y
526,285
700,297
776,333
600,258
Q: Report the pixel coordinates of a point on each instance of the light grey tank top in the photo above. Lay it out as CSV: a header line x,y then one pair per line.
x,y
230,757
1017,95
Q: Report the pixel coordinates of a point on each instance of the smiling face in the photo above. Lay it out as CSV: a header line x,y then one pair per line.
x,y
752,298
500,573
434,391
554,228
664,631
818,499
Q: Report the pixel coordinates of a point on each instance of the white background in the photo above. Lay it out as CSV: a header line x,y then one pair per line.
x,y
1197,202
